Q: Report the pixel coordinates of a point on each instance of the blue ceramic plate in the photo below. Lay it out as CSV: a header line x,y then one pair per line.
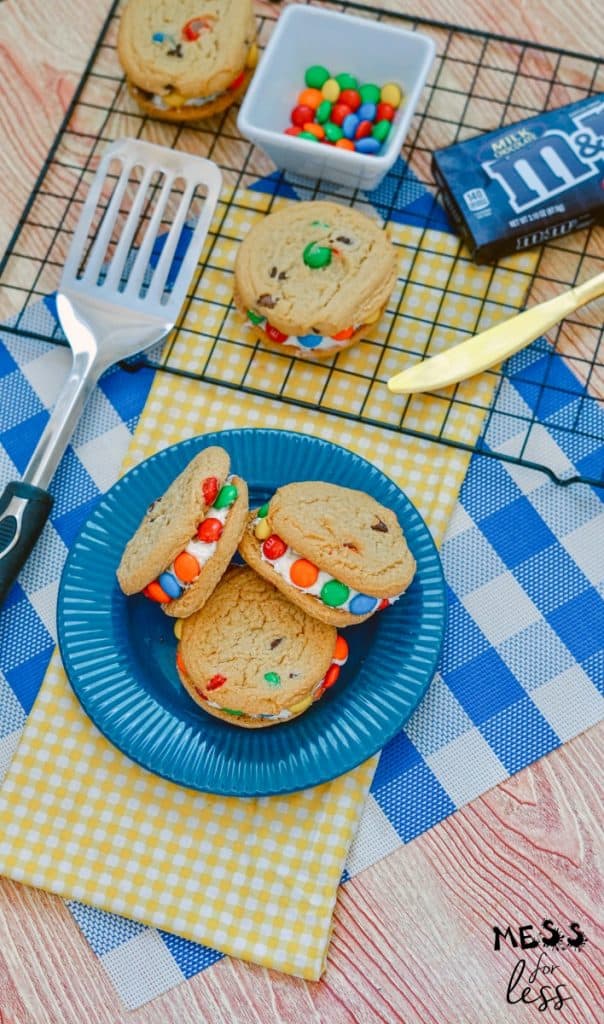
x,y
119,653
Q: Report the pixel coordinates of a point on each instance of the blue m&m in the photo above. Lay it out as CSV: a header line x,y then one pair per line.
x,y
367,145
350,125
362,604
310,340
170,585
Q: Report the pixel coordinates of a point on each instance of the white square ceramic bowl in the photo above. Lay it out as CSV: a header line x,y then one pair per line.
x,y
370,50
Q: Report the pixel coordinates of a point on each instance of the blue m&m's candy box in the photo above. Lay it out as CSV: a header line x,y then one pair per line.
x,y
527,183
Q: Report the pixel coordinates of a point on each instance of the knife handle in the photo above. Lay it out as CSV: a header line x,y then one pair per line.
x,y
23,511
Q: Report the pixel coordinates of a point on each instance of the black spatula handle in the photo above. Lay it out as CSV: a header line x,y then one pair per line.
x,y
23,511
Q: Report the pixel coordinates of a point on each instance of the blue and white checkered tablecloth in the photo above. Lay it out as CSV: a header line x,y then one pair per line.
x,y
522,669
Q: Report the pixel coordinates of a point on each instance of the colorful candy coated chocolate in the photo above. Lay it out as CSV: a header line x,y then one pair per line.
x,y
302,705
155,593
216,682
370,93
333,132
339,113
310,340
384,603
323,111
179,660
391,93
186,567
367,112
351,98
345,144
308,135
368,146
331,676
274,547
170,585
315,129
262,530
346,81
316,76
292,130
330,90
302,114
316,255
226,496
303,573
211,529
252,56
237,81
256,318
362,604
363,130
344,335
263,511
334,593
273,678
272,332
384,112
341,649
350,125
209,487
310,98
178,628
381,130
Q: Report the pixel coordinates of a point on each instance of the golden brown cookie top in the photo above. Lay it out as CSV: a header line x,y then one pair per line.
x,y
346,533
252,651
315,268
185,47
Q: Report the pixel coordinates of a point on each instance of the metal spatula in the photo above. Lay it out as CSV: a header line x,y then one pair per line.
x,y
131,259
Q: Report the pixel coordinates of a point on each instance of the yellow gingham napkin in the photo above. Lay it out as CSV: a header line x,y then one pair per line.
x,y
254,878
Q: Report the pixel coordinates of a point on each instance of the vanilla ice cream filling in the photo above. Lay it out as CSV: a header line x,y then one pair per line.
x,y
357,603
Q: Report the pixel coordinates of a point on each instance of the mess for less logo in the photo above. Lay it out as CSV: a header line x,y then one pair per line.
x,y
539,985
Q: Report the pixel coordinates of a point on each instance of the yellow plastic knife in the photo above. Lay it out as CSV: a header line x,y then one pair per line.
x,y
495,344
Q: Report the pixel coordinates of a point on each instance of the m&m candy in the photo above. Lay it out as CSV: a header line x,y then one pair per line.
x,y
170,585
302,114
186,567
340,111
303,573
226,496
391,93
273,547
210,530
272,332
330,90
316,256
209,487
334,593
316,76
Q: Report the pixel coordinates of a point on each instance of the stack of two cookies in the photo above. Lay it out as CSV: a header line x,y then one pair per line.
x,y
257,644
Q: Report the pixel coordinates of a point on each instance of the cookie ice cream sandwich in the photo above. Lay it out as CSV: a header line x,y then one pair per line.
x,y
334,551
314,277
184,60
187,537
254,659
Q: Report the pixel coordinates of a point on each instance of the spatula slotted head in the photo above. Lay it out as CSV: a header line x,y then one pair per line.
x,y
142,228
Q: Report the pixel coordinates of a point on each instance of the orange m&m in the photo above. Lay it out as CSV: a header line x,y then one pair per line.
x,y
332,674
341,651
344,144
186,567
303,573
156,593
310,98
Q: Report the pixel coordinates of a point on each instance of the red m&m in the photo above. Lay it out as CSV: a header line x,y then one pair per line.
x,y
209,490
273,547
210,530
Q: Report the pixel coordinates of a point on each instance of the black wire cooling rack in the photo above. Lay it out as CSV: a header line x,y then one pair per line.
x,y
478,82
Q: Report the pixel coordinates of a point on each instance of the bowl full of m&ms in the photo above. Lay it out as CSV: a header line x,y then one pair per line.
x,y
338,110
333,95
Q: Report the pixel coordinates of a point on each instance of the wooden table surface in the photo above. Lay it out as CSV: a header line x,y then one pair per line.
x,y
413,938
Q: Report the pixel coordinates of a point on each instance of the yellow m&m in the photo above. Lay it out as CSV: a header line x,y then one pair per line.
x,y
391,93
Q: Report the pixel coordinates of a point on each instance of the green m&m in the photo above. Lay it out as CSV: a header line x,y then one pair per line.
x,y
333,132
334,593
323,111
226,496
370,93
316,76
316,255
346,81
263,511
273,678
